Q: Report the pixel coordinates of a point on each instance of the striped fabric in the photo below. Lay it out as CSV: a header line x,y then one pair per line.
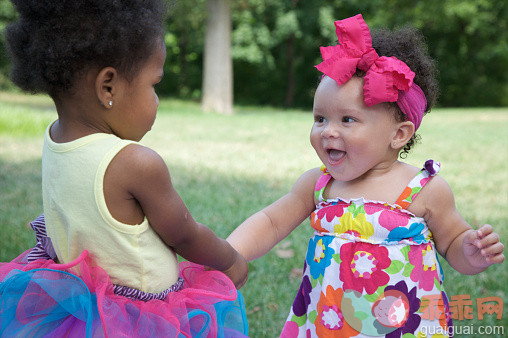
x,y
44,250
136,294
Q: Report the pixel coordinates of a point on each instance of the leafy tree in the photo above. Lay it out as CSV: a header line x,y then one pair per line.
x,y
274,45
184,39
7,15
468,38
271,43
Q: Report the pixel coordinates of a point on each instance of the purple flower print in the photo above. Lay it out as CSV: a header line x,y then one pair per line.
x,y
302,299
413,321
432,167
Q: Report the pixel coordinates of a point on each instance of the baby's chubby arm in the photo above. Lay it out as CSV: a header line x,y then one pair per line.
x,y
467,250
263,230
149,183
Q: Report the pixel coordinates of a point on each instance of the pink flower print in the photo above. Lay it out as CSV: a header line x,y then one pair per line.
x,y
370,208
363,255
331,211
321,184
391,220
358,226
322,181
424,181
332,317
362,266
290,330
391,309
425,271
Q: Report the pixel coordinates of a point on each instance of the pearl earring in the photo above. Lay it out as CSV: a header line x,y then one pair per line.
x,y
110,103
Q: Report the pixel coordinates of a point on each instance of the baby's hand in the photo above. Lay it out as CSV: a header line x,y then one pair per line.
x,y
482,247
238,271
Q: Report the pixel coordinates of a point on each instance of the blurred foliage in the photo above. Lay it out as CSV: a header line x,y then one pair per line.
x,y
275,45
7,14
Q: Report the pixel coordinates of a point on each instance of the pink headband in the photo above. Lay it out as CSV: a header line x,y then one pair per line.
x,y
387,79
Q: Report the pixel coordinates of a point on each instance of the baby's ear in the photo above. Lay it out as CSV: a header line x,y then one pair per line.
x,y
405,130
105,83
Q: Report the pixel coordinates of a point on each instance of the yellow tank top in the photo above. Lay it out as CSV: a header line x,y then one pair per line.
x,y
78,219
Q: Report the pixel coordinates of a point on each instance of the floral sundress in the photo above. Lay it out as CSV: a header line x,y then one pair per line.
x,y
371,269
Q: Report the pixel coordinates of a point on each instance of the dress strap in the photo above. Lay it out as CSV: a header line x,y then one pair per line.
x,y
430,168
321,184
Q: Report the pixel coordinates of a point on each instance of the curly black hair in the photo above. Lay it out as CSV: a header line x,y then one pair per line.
x,y
408,45
53,41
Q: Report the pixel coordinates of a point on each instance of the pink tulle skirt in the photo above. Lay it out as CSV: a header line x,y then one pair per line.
x,y
46,299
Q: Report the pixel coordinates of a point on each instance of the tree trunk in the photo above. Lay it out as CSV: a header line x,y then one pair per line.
x,y
218,65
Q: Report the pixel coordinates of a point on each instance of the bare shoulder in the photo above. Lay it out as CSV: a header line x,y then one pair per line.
x,y
304,186
437,191
138,158
397,180
136,165
406,172
307,181
435,197
138,155
133,174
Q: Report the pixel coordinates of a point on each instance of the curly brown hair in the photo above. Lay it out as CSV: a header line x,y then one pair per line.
x,y
408,45
53,41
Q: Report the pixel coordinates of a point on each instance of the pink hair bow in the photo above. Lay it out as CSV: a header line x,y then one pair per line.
x,y
385,76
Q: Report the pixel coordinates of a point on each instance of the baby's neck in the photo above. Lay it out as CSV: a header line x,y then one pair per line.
x,y
80,112
383,184
76,120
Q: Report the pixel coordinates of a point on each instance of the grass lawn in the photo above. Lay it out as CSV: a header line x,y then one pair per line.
x,y
228,167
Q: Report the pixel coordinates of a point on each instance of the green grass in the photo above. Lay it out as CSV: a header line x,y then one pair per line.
x,y
228,167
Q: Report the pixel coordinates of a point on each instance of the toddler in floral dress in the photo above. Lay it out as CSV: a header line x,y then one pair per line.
x,y
371,268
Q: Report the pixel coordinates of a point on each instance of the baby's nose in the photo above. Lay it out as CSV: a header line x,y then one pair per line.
x,y
330,130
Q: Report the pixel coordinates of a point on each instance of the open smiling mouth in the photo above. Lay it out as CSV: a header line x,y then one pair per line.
x,y
335,156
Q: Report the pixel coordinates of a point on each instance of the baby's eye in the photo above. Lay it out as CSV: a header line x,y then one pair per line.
x,y
319,119
348,119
